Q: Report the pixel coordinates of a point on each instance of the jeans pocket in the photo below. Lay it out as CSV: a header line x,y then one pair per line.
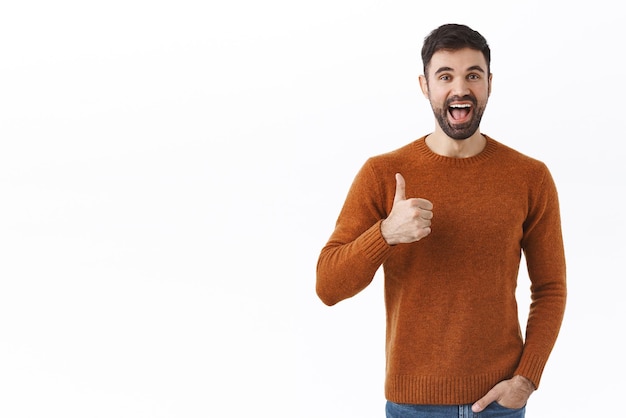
x,y
506,407
495,410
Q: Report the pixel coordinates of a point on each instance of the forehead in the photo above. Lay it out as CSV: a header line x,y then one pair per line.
x,y
457,61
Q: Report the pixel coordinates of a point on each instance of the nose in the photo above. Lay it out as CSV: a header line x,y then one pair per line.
x,y
460,87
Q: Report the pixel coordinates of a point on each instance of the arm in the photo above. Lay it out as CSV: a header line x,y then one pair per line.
x,y
356,248
545,260
346,268
362,239
543,249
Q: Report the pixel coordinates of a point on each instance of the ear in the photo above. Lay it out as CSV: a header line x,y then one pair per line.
x,y
489,85
424,85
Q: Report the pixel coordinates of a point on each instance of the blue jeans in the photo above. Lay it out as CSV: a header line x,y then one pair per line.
x,y
494,410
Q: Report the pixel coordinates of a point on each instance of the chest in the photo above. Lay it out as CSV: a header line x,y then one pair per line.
x,y
470,208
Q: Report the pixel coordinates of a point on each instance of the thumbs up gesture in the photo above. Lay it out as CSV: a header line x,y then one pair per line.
x,y
409,219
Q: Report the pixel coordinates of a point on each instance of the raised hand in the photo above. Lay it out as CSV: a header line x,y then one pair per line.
x,y
409,219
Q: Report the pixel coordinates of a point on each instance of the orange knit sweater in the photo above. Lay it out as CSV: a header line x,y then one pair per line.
x,y
452,321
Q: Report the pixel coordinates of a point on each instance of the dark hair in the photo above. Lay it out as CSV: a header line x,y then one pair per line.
x,y
453,37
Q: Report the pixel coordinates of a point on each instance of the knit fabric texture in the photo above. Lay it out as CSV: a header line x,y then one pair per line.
x,y
453,330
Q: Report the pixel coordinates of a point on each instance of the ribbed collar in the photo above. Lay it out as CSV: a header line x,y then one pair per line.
x,y
487,153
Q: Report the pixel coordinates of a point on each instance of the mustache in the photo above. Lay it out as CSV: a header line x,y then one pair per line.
x,y
467,97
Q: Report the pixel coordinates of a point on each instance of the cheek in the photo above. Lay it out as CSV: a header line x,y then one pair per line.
x,y
437,98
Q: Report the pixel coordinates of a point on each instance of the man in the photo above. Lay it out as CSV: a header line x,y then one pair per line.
x,y
447,217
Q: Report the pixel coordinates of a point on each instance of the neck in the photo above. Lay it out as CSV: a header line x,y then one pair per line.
x,y
442,144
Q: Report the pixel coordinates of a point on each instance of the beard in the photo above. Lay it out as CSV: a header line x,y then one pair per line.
x,y
459,131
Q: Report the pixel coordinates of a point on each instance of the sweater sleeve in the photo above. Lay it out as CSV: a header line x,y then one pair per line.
x,y
543,249
356,249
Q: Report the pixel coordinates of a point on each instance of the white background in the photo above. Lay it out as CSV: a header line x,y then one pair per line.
x,y
170,170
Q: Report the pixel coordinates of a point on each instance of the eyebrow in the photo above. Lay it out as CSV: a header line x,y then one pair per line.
x,y
472,68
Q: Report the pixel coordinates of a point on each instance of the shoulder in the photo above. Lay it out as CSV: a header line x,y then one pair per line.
x,y
397,158
514,158
528,172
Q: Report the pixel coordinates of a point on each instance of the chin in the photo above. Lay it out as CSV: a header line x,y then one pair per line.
x,y
458,136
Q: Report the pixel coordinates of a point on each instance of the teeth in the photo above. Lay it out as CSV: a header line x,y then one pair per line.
x,y
460,106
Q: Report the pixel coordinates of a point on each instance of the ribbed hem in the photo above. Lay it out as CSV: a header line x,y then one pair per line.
x,y
531,366
435,390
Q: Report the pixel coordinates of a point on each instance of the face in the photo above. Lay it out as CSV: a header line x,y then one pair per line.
x,y
458,87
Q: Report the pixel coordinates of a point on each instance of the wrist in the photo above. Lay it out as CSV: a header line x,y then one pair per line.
x,y
386,234
525,382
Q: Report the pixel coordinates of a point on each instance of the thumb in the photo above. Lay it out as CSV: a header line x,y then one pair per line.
x,y
400,185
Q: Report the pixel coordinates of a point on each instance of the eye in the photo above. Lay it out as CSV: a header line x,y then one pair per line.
x,y
473,76
445,77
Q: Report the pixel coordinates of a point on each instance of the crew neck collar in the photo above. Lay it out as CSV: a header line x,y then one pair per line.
x,y
487,152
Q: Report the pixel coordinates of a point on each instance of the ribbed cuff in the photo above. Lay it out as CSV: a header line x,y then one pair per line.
x,y
531,367
374,245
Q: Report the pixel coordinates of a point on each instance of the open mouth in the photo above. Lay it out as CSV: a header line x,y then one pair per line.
x,y
459,112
